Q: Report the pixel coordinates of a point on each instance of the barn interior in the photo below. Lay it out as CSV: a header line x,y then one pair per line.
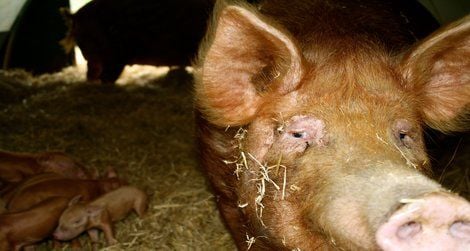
x,y
143,126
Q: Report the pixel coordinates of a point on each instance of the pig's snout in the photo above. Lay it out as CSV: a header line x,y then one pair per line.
x,y
60,235
437,221
56,235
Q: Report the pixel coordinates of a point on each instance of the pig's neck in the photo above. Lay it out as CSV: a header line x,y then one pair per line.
x,y
216,146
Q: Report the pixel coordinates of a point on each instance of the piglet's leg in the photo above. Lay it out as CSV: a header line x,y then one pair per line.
x,y
108,234
56,244
94,237
25,248
75,244
140,207
103,222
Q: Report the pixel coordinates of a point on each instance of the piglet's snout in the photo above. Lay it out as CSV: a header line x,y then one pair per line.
x,y
56,235
59,235
437,221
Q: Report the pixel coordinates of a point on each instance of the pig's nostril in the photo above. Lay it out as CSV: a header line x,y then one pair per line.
x,y
408,230
460,229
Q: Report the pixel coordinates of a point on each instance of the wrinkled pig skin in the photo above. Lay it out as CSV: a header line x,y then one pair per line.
x,y
42,186
15,166
112,34
310,118
100,214
27,227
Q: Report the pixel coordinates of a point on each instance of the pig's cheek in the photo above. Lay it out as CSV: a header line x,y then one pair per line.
x,y
414,149
286,150
261,137
292,145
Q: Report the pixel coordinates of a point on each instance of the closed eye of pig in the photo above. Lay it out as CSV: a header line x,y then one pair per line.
x,y
311,131
300,133
74,222
79,221
405,133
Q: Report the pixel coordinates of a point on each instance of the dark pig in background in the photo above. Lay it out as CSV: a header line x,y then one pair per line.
x,y
112,34
310,124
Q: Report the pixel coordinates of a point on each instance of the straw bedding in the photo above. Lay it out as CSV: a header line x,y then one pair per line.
x,y
144,128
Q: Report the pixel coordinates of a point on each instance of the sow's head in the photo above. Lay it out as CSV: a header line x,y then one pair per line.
x,y
332,151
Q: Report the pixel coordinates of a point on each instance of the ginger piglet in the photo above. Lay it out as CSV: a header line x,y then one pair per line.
x,y
100,214
30,226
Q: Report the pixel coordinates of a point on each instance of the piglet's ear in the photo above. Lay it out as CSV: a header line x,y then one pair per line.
x,y
438,70
245,60
94,211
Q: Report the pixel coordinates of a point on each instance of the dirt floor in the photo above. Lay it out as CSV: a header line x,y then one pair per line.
x,y
144,128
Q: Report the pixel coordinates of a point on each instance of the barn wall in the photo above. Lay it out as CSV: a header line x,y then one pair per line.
x,y
8,12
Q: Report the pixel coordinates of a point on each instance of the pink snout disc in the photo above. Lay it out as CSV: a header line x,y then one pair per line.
x,y
437,221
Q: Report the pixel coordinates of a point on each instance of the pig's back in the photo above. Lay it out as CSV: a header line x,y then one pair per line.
x,y
29,196
15,189
147,31
120,201
14,165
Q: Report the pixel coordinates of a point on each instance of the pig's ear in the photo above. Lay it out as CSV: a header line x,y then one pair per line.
x,y
244,61
46,159
68,42
75,200
438,70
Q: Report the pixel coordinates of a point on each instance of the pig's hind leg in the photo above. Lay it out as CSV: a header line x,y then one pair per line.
x,y
140,206
108,233
94,238
111,72
74,244
95,68
105,225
